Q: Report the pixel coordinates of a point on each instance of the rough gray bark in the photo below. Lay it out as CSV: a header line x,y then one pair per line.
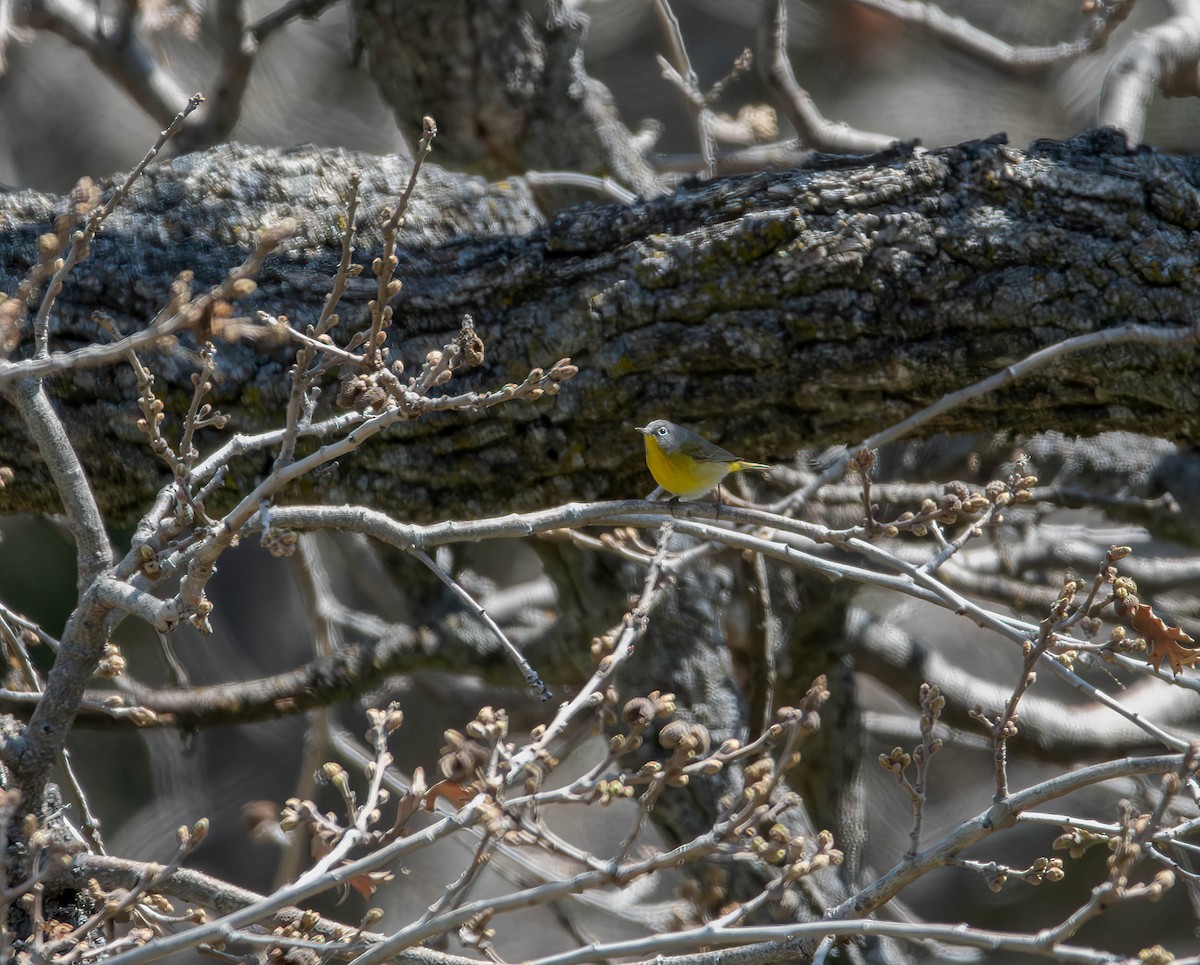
x,y
770,311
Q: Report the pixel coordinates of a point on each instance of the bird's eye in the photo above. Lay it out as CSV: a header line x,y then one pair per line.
x,y
662,430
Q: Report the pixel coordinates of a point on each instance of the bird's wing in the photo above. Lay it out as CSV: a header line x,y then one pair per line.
x,y
707,452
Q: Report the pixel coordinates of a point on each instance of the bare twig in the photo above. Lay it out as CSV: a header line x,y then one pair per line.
x,y
285,14
678,70
303,380
572,179
773,943
999,816
931,702
1105,16
810,125
1139,334
171,320
93,552
385,264
81,241
532,680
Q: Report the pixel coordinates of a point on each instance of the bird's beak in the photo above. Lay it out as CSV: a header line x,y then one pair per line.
x,y
643,430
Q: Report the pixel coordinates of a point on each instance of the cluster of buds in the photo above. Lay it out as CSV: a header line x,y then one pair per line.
x,y
687,739
863,461
808,715
799,863
382,723
613,790
956,500
489,724
1044,869
280,543
1001,729
297,813
1119,641
1018,489
198,617
465,757
1162,882
152,420
638,714
996,876
688,742
305,925
112,662
897,762
1063,603
759,777
602,646
188,839
539,382
363,392
462,758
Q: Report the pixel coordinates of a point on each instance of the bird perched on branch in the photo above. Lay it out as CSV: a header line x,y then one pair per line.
x,y
686,464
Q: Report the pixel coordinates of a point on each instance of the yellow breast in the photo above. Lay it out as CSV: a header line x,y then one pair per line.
x,y
680,474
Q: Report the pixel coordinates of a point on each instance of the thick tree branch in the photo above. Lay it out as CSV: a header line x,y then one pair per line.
x,y
1160,60
798,308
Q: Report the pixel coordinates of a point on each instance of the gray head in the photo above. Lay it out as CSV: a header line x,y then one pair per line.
x,y
668,435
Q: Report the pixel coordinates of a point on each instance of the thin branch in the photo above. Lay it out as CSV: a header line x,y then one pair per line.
x,y
957,32
899,661
285,897
237,50
1138,334
81,242
171,320
772,645
813,128
385,264
776,943
998,817
605,186
532,680
292,10
678,70
88,820
119,55
302,379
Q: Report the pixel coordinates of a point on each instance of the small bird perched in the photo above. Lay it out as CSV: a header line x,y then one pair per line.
x,y
686,464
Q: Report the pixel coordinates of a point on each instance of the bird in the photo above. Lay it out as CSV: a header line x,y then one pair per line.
x,y
686,464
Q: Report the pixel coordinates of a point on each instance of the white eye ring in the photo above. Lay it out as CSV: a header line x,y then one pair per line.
x,y
662,430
